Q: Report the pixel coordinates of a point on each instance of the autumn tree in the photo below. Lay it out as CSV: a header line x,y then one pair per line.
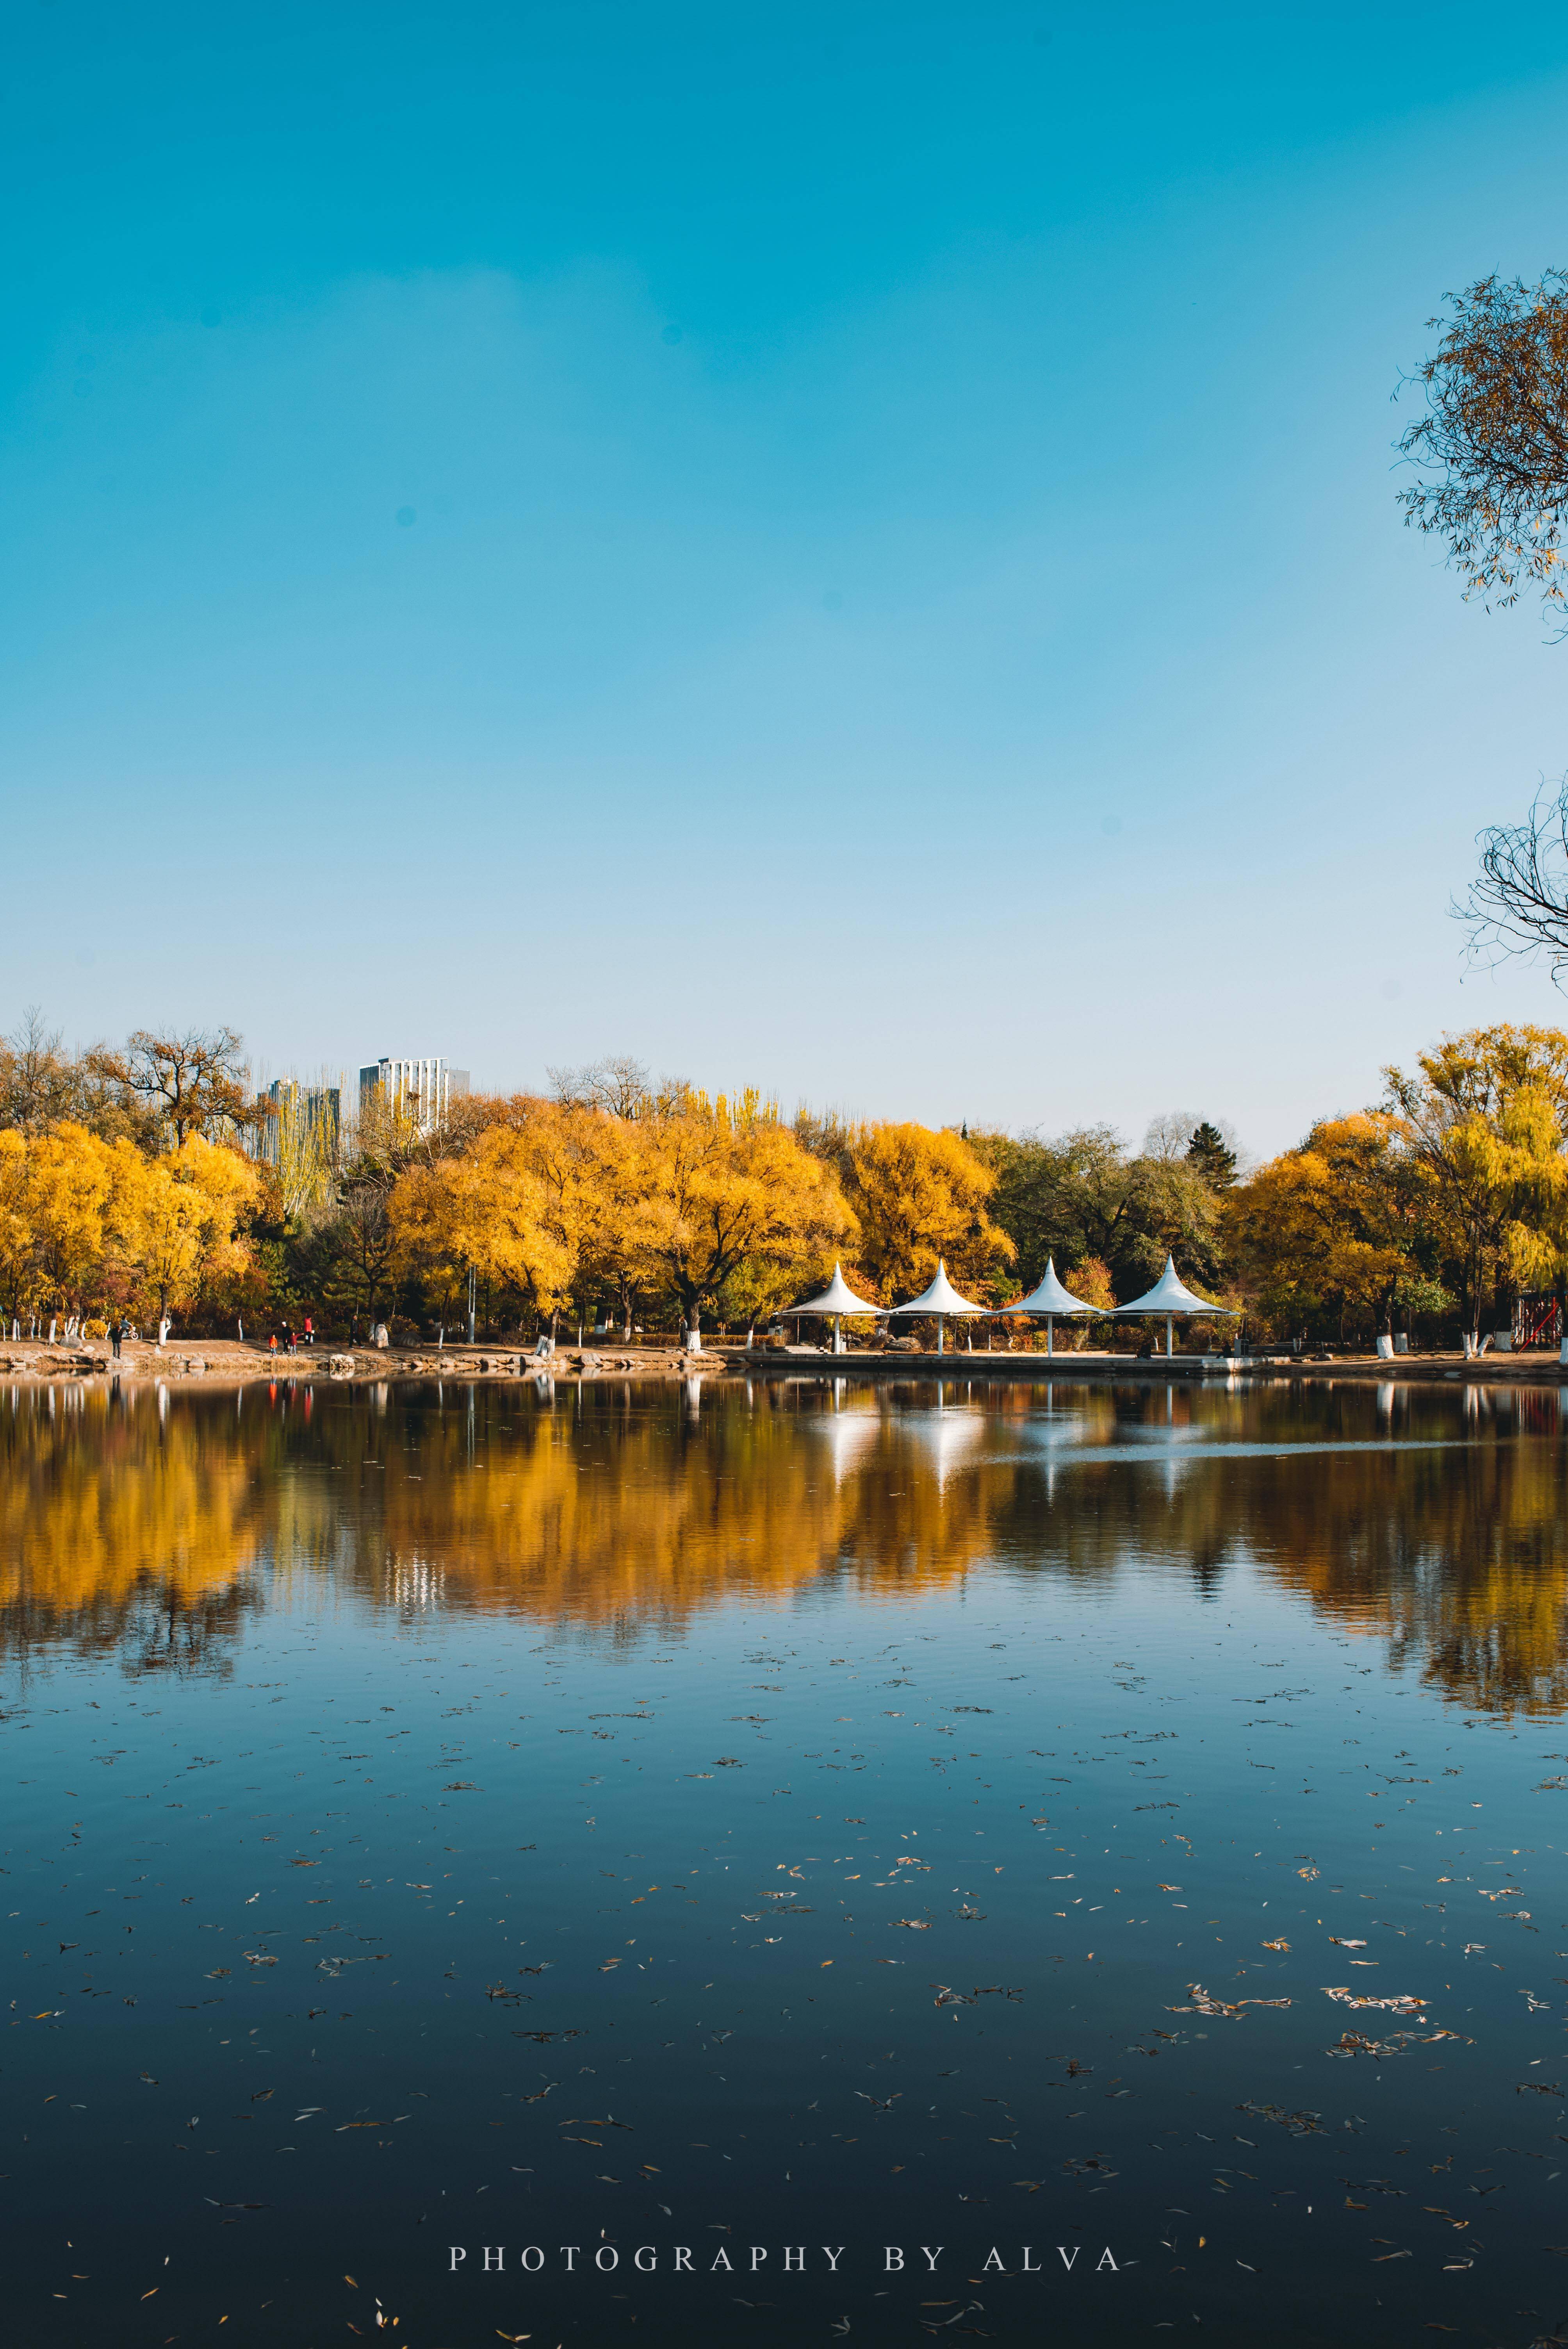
x,y
1331,1229
180,1219
728,1183
1464,1113
53,1190
617,1258
920,1195
490,1212
42,1086
1534,1165
194,1083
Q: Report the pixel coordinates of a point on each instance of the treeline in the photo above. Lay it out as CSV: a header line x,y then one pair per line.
x,y
148,1179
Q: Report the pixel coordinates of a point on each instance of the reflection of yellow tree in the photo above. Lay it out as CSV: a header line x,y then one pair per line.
x,y
616,1512
1460,1559
683,1520
108,1523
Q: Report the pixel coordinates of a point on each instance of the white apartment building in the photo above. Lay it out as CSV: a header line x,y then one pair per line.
x,y
422,1090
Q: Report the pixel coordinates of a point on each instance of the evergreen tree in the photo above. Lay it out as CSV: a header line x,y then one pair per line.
x,y
1207,1154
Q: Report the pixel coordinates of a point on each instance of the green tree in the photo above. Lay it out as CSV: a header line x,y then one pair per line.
x,y
1209,1155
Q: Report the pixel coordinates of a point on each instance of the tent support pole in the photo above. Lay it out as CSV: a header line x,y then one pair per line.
x,y
939,1333
1170,1336
1050,1333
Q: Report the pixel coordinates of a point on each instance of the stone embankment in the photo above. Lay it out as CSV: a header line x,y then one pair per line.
x,y
228,1361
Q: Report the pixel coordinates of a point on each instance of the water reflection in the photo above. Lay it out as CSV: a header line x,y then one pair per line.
x,y
1433,1520
123,1525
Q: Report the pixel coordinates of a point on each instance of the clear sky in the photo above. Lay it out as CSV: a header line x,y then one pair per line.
x,y
846,549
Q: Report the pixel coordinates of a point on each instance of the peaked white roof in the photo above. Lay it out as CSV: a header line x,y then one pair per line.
x,y
1050,1297
939,1297
837,1298
1170,1296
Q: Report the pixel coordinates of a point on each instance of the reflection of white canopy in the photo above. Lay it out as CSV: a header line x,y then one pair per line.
x,y
946,1437
1170,1296
837,1298
850,1437
939,1297
1050,1297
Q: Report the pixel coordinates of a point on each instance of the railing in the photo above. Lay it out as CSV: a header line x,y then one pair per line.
x,y
1536,1321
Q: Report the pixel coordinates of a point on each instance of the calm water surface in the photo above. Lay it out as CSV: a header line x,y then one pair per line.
x,y
1112,1840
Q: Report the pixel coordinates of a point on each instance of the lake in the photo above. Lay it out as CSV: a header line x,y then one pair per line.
x,y
1097,1848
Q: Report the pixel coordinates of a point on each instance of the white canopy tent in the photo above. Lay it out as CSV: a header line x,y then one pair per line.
x,y
1170,1296
1049,1298
940,1299
836,1299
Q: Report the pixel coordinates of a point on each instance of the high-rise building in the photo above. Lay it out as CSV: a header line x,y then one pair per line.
x,y
321,1106
421,1090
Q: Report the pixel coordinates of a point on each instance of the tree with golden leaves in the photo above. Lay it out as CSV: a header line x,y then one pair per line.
x,y
178,1215
62,1194
623,1222
489,1211
1479,1117
1331,1229
727,1184
920,1193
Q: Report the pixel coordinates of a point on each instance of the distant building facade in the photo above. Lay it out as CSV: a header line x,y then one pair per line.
x,y
321,1106
423,1091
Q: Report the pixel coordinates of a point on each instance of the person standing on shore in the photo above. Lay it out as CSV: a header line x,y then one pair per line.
x,y
114,1337
272,1343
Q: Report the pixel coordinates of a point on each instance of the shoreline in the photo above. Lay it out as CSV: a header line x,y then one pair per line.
x,y
227,1362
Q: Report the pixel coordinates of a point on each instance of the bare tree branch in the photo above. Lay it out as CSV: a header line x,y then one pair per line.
x,y
1518,902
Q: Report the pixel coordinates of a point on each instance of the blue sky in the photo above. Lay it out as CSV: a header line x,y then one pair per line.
x,y
847,549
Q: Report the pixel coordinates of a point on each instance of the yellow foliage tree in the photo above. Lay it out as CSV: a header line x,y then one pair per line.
x,y
919,1195
177,1217
16,1268
619,1239
1482,1119
729,1188
491,1211
62,1196
1330,1227
1531,1164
